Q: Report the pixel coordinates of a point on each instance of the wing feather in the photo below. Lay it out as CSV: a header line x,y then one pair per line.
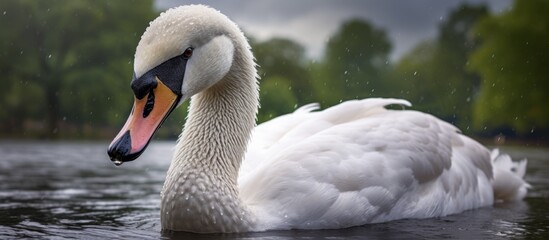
x,y
358,162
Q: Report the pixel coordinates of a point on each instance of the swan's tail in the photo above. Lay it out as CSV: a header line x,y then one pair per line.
x,y
508,184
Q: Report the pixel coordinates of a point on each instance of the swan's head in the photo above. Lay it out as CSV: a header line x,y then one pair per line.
x,y
184,51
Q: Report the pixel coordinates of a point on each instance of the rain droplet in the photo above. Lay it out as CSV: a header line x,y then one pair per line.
x,y
117,162
4,12
415,73
49,56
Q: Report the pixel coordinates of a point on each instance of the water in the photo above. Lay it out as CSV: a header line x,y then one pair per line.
x,y
72,190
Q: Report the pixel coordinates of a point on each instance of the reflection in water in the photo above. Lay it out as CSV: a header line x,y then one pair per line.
x,y
69,190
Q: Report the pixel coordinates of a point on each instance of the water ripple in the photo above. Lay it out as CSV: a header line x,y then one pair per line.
x,y
72,190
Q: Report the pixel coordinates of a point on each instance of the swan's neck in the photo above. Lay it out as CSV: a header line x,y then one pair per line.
x,y
201,193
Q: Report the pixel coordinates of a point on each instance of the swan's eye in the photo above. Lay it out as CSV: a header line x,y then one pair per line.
x,y
188,53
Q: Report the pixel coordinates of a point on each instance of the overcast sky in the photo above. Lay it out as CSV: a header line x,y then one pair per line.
x,y
312,22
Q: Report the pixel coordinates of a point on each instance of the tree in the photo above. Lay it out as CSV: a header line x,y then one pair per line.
x,y
512,61
74,55
276,98
415,79
434,75
285,80
353,65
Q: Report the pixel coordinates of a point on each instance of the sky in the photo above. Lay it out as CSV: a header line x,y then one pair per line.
x,y
312,22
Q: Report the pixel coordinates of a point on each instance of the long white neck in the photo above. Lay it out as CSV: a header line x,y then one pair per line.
x,y
201,193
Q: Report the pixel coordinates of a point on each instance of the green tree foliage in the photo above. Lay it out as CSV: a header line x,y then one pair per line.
x,y
434,75
415,80
69,62
285,80
513,64
67,67
353,65
276,98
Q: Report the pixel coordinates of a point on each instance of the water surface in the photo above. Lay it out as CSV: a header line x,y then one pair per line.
x,y
72,190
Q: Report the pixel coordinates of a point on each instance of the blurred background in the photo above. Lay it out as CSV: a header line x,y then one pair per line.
x,y
66,66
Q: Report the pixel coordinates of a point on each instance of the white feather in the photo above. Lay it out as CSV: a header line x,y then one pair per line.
x,y
357,163
348,165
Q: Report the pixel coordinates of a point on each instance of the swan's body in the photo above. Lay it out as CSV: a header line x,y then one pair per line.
x,y
351,164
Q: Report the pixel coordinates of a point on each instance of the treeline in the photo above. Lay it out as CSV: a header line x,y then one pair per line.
x,y
67,66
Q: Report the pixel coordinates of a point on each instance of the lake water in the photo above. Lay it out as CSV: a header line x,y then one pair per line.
x,y
72,190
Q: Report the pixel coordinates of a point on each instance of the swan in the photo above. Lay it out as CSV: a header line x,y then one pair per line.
x,y
350,164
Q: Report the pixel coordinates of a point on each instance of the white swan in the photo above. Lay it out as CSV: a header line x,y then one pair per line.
x,y
351,164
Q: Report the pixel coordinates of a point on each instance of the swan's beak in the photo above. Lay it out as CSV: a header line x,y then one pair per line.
x,y
147,115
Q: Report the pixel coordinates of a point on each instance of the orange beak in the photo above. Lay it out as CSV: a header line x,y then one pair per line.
x,y
146,117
